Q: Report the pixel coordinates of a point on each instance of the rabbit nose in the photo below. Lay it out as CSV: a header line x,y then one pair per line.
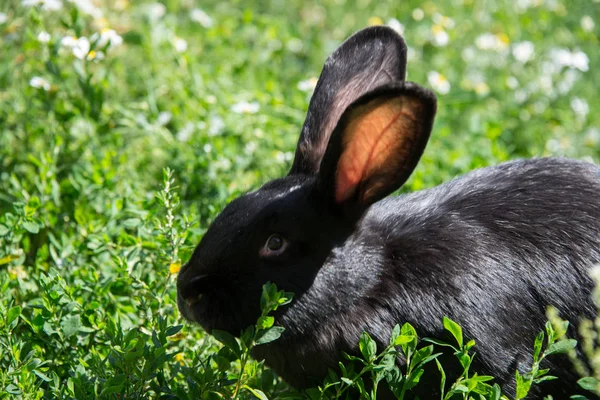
x,y
195,288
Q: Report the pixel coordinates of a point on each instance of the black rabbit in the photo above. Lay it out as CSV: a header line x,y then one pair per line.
x,y
490,249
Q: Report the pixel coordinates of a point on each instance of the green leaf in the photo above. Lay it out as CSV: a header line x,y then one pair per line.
x,y
413,378
537,346
132,223
439,342
590,383
270,335
367,346
31,227
560,347
395,334
70,325
265,322
496,392
347,381
173,330
12,389
544,378
421,354
442,377
403,339
228,340
42,376
409,348
455,330
32,205
114,385
3,230
256,392
12,314
523,386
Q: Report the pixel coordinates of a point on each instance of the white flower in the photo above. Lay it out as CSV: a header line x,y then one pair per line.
x,y
565,58
523,51
307,85
438,82
199,16
250,147
216,126
180,44
164,117
87,7
469,54
43,37
569,78
294,45
243,107
282,157
48,5
395,25
156,11
418,14
81,48
592,137
444,21
68,41
587,23
39,83
207,148
186,133
107,37
512,82
440,36
580,106
3,18
580,61
521,96
489,41
51,5
545,84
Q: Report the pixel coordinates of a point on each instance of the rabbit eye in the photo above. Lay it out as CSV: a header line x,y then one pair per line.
x,y
274,246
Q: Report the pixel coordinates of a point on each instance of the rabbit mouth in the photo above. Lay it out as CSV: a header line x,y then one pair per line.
x,y
216,302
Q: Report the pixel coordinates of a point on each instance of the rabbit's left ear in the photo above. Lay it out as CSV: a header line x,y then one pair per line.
x,y
376,145
370,58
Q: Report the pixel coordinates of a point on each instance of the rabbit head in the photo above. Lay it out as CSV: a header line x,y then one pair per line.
x,y
364,133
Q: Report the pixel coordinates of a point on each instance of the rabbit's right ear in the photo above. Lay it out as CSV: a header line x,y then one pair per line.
x,y
376,146
371,58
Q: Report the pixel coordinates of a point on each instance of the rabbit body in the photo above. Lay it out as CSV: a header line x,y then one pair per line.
x,y
489,250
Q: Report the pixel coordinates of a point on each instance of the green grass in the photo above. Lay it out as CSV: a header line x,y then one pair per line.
x,y
91,226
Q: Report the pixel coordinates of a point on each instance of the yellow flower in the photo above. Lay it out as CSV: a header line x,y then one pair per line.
x,y
175,267
482,88
503,38
374,21
179,358
100,23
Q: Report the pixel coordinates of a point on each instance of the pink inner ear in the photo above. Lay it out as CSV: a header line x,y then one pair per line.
x,y
373,141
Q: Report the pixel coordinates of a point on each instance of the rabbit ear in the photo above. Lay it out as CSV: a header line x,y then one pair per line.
x,y
377,144
370,58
